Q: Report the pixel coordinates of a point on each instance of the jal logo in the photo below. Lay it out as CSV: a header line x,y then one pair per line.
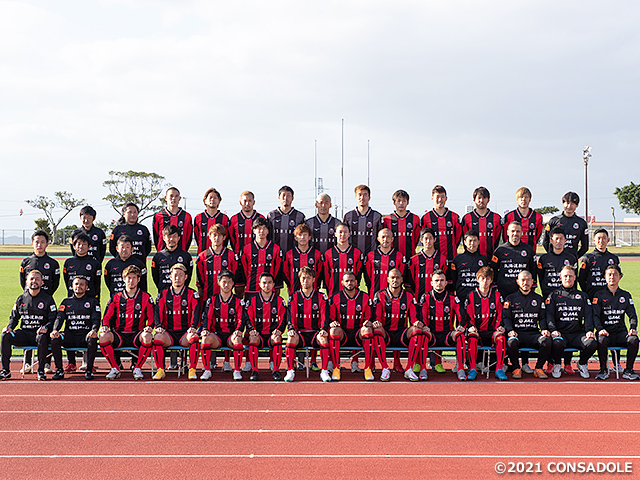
x,y
291,223
139,233
449,224
315,306
47,266
409,225
331,231
87,305
622,300
89,268
358,308
523,253
534,303
576,226
274,310
95,238
41,305
184,302
480,263
311,261
269,257
610,262
369,224
350,261
138,306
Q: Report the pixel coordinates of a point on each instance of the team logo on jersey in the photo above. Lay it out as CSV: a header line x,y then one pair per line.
x,y
358,308
578,296
480,263
311,261
331,231
180,259
369,224
41,305
140,232
567,262
138,306
180,223
610,262
87,305
89,268
95,238
350,261
269,256
224,263
492,306
231,311
274,310
184,302
291,223
403,306
315,306
46,266
489,225
523,253
392,263
449,224
446,309
576,226
621,299
534,303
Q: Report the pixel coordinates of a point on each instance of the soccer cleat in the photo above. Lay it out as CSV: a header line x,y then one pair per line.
x,y
416,368
473,374
59,375
83,367
247,367
226,367
439,368
336,374
368,375
276,376
549,368
385,375
88,375
517,373
237,375
315,367
409,375
137,374
255,376
556,371
113,374
193,374
27,368
47,368
324,376
423,374
461,375
500,375
527,369
206,375
42,375
70,368
630,375
569,370
159,374
603,374
290,376
539,373
584,370
355,368
5,375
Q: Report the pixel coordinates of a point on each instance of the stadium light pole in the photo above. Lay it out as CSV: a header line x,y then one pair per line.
x,y
586,155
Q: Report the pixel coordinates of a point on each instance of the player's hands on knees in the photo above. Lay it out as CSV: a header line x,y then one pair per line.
x,y
633,332
103,329
426,330
500,329
55,334
147,329
7,329
459,328
418,324
92,334
204,333
377,324
334,324
42,330
604,333
159,330
591,335
513,334
277,333
555,334
473,330
192,331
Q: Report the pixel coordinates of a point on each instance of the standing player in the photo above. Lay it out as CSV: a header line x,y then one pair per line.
x,y
212,261
84,265
339,259
593,264
35,310
97,237
422,265
551,264
127,323
139,234
284,220
301,255
241,224
444,223
609,308
510,258
114,267
364,222
575,228
166,258
323,225
529,219
381,261
174,215
487,223
48,267
211,216
258,257
404,225
464,267
80,315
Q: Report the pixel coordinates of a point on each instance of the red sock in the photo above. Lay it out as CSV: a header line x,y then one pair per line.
x,y
460,351
324,356
158,356
499,352
291,357
237,357
473,351
367,345
206,356
414,350
276,353
227,355
381,350
313,355
253,356
143,354
194,350
396,360
107,351
334,345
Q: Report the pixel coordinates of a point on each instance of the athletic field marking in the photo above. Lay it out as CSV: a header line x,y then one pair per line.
x,y
261,430
128,412
333,395
520,457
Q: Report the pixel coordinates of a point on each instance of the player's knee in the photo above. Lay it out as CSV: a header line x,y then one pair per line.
x,y
632,341
513,342
603,340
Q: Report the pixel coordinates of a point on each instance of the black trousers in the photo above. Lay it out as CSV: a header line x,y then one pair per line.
x,y
529,340
24,338
587,346
74,340
618,339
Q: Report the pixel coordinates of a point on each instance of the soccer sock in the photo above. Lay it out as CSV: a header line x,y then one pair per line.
x,y
291,356
237,356
324,356
253,356
107,351
381,350
143,354
460,351
334,344
414,350
194,350
206,356
367,345
396,360
158,355
473,351
313,355
276,352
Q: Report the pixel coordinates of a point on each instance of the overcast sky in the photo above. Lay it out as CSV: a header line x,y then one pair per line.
x,y
234,95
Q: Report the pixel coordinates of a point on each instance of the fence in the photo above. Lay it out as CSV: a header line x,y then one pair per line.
x,y
23,237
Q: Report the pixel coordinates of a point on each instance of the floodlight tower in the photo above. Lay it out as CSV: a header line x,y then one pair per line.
x,y
586,155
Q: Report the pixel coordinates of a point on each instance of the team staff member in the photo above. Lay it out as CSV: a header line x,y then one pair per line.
x,y
139,234
487,223
84,265
114,267
97,237
510,258
609,308
211,216
48,267
301,255
284,220
404,225
80,315
174,215
524,319
339,259
444,223
465,266
381,261
364,222
128,323
175,310
528,218
323,225
258,257
166,258
241,224
35,310
593,264
421,266
550,264
575,228
212,261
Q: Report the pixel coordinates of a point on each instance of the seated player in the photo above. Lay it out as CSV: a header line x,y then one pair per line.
x,y
35,310
396,324
524,320
114,267
609,308
127,323
482,318
211,216
440,313
570,320
176,309
265,320
166,258
308,323
258,257
350,321
223,326
404,225
80,315
82,264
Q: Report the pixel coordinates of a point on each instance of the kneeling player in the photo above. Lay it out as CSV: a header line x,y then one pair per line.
x,y
176,309
482,318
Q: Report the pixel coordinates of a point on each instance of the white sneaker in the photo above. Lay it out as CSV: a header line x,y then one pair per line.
x,y
355,368
462,375
324,376
527,369
557,371
226,367
247,367
584,370
424,375
330,366
237,375
47,368
113,374
137,374
409,374
26,369
385,375
206,375
290,376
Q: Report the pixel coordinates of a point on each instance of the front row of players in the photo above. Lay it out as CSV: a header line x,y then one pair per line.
x,y
350,318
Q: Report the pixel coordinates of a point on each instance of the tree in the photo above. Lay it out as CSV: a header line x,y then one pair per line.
x,y
43,224
141,188
63,200
546,210
629,198
64,233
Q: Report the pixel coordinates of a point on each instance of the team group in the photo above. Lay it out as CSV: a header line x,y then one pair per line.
x,y
484,296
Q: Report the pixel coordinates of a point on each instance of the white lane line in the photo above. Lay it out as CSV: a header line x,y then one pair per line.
x,y
314,431
332,395
75,412
519,457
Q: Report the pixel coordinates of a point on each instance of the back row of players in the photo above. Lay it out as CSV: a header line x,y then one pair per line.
x,y
283,244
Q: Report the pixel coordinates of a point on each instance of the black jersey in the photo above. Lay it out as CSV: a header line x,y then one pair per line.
x,y
87,267
33,312
576,231
97,242
282,227
463,269
508,261
49,267
524,313
592,267
163,261
569,311
364,229
549,267
113,274
78,314
139,235
609,310
323,234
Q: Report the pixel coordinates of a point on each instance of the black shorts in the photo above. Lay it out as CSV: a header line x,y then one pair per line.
x,y
23,338
224,339
398,339
125,340
442,339
176,336
265,340
351,338
75,339
308,338
486,338
528,340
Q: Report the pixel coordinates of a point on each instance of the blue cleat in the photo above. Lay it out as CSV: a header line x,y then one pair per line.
x,y
473,373
500,375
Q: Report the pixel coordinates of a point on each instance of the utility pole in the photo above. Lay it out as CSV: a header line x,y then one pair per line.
x,y
586,155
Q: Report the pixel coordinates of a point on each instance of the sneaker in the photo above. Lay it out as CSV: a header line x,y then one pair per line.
x,y
70,368
584,370
237,375
88,375
255,376
603,374
630,375
206,375
324,376
159,374
59,375
500,375
549,369
539,373
113,374
26,368
276,376
330,366
193,374
461,375
247,367
368,375
556,371
42,375
385,375
517,373
473,374
409,375
137,373
290,376
83,367
527,369
226,367
416,368
423,374
47,368
569,370
355,368
5,375
315,367
335,375
439,368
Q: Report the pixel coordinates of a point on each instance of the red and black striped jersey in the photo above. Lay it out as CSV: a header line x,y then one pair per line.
x,y
484,313
395,313
350,312
448,231
129,314
176,311
241,230
531,226
255,261
440,312
182,220
224,316
406,232
265,316
420,270
201,225
378,265
488,226
322,233
208,265
336,262
308,313
295,260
